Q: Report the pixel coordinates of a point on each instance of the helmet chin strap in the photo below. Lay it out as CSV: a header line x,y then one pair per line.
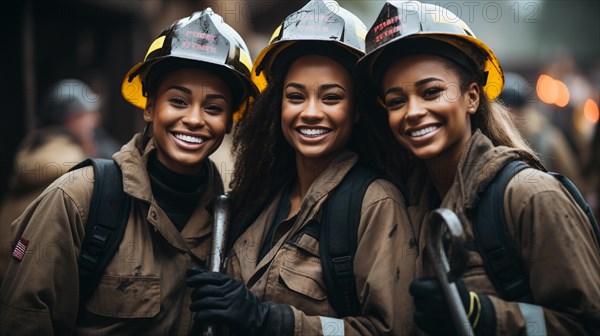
x,y
146,136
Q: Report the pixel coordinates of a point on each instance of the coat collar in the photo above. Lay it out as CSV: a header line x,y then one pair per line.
x,y
479,164
477,167
324,184
136,183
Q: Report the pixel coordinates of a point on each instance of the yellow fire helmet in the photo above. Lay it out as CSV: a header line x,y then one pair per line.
x,y
202,37
320,26
412,27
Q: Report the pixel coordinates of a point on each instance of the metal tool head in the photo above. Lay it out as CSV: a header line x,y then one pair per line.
x,y
446,221
447,234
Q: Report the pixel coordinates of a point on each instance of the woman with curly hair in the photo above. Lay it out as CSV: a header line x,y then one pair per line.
x,y
302,137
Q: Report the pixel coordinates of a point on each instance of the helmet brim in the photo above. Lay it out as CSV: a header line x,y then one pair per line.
x,y
133,91
261,72
495,78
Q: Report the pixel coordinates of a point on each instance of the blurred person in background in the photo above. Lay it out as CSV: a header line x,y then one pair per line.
x,y
72,107
565,100
68,132
547,140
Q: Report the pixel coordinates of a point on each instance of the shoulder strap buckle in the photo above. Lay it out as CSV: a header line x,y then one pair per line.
x,y
104,229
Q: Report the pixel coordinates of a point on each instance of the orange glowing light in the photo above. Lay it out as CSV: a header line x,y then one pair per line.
x,y
590,111
547,89
563,94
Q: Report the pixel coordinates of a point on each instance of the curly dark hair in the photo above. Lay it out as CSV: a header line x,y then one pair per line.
x,y
265,161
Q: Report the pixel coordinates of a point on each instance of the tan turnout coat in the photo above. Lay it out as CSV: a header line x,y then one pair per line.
x,y
142,291
554,238
291,272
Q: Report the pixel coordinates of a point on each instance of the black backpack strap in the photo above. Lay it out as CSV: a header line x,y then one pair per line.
x,y
493,241
570,186
338,239
108,214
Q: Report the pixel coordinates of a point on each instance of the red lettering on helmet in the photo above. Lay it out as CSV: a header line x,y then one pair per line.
x,y
201,35
386,23
386,33
200,47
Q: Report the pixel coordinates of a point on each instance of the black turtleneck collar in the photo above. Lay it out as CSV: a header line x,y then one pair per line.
x,y
175,193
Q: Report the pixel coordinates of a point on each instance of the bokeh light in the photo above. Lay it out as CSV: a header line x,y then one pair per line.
x,y
562,98
590,111
547,89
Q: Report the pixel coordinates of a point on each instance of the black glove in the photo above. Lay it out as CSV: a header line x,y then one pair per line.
x,y
432,314
219,297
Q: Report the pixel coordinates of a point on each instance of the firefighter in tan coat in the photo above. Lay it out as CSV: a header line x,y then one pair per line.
x,y
309,135
437,82
188,95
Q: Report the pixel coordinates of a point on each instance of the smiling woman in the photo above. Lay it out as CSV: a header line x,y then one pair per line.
x,y
317,112
190,113
303,142
438,83
427,111
188,96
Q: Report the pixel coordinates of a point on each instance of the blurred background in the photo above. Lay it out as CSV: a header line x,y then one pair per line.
x,y
553,45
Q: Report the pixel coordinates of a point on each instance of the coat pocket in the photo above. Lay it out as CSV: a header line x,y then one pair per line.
x,y
300,278
302,283
126,297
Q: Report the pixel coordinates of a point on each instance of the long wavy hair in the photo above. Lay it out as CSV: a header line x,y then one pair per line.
x,y
493,119
265,161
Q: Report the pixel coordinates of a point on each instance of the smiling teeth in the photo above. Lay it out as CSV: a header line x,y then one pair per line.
x,y
188,138
424,131
313,132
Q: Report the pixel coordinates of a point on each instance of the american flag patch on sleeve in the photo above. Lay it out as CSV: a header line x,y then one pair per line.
x,y
19,251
